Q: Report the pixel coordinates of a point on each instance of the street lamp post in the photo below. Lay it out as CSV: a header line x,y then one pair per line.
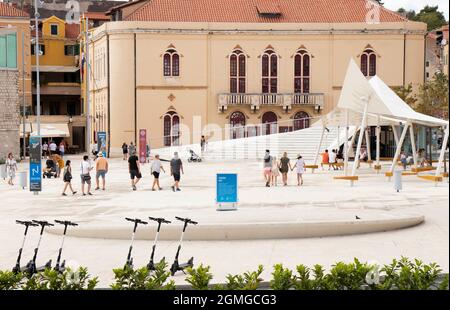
x,y
88,101
37,52
23,96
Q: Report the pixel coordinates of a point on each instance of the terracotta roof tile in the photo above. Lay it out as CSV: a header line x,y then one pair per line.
x,y
246,11
8,10
96,15
72,31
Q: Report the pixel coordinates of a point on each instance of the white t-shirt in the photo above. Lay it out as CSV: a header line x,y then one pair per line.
x,y
52,147
45,147
156,166
332,157
85,167
61,147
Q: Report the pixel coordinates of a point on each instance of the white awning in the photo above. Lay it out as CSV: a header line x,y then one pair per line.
x,y
382,100
56,68
54,130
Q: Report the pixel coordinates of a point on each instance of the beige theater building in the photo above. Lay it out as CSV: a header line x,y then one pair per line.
x,y
161,63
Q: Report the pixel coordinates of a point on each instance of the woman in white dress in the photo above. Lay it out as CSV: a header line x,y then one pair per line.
x,y
300,166
275,171
11,167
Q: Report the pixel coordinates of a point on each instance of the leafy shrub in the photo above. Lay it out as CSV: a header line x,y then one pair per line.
x,y
350,276
199,278
50,279
304,280
282,278
143,279
407,275
10,280
246,281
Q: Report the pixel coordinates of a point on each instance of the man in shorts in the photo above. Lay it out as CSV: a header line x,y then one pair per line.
x,y
156,170
135,170
85,174
268,162
176,168
101,168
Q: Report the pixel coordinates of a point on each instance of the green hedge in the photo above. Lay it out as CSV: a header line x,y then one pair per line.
x,y
402,274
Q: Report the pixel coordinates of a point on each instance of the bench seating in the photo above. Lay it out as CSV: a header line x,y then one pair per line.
x,y
390,174
431,178
421,169
348,178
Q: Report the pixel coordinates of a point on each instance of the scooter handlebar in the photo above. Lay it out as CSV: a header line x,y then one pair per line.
x,y
26,223
186,220
43,223
68,223
159,220
139,221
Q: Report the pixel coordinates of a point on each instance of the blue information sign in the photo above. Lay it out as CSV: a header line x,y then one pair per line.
x,y
226,188
35,164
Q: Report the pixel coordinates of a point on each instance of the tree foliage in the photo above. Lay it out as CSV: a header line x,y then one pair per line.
x,y
429,14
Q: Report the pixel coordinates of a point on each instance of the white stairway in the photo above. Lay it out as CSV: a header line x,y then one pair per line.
x,y
302,142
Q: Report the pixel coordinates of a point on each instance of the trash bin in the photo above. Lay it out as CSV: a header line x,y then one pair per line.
x,y
398,180
22,175
3,171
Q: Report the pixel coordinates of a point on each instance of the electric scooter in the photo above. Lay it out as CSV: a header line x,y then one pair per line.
x,y
190,263
62,267
129,262
151,264
27,224
31,268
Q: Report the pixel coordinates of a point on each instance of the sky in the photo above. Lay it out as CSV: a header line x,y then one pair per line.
x,y
416,5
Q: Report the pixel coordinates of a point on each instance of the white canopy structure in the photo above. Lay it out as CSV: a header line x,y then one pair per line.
x,y
52,130
371,102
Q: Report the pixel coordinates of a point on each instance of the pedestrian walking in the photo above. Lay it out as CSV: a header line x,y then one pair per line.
x,y
267,169
67,177
132,148
62,148
300,165
45,149
275,171
86,168
11,168
125,151
285,166
156,170
101,169
52,147
176,168
202,144
134,169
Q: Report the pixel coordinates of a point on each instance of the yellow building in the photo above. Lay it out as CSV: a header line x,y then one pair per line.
x,y
59,76
251,66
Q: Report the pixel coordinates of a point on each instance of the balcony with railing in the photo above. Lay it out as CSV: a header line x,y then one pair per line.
x,y
285,100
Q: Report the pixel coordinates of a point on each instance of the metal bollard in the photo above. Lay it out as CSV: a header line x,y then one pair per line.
x,y
398,180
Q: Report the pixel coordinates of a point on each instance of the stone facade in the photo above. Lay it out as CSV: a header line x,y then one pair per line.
x,y
9,113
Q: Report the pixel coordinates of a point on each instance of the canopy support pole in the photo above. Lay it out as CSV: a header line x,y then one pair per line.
x,y
394,130
378,133
413,145
352,141
346,144
361,135
442,154
399,147
367,137
320,144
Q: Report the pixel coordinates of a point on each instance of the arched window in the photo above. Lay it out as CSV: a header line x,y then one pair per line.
x,y
269,72
171,129
301,120
171,63
369,63
237,125
302,71
269,120
237,72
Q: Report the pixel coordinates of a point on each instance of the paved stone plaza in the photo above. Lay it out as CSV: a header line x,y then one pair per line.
x,y
322,201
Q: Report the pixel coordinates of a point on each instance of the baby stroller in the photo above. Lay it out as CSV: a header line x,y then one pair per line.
x,y
50,169
194,157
